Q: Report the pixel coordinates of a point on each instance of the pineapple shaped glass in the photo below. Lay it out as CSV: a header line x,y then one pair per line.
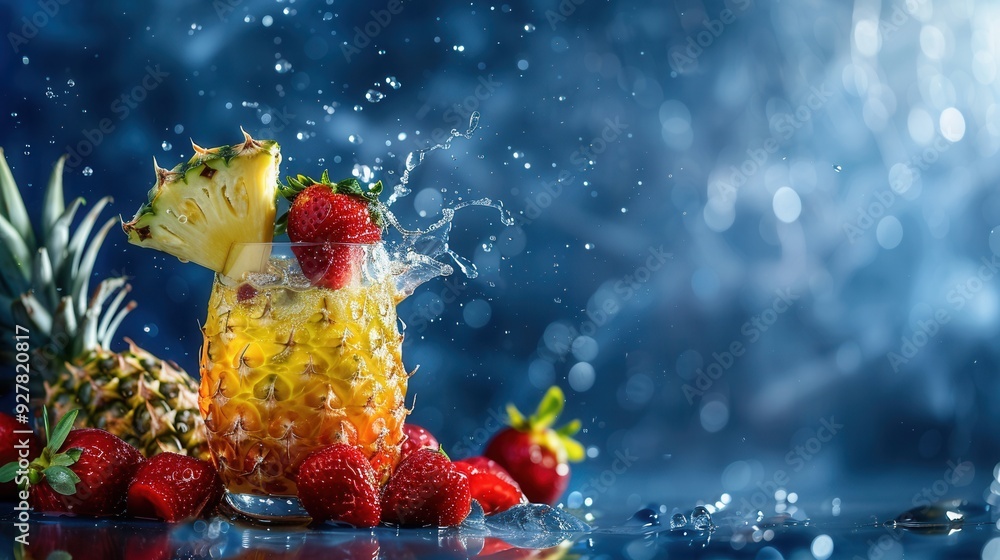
x,y
296,361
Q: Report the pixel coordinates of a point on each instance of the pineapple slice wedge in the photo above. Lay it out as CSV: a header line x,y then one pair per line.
x,y
221,196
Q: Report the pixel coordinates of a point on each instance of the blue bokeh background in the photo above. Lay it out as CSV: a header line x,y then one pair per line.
x,y
811,184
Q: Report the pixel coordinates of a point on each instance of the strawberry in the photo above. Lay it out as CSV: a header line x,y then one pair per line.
x,y
173,488
417,438
338,483
534,454
332,217
426,491
490,484
16,442
84,472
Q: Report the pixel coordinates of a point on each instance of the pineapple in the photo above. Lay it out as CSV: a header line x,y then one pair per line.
x,y
287,372
284,370
44,286
221,196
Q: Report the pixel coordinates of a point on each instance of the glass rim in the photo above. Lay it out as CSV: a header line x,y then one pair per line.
x,y
299,244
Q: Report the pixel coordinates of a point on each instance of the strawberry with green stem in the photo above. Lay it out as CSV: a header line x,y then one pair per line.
x,y
536,455
83,472
337,218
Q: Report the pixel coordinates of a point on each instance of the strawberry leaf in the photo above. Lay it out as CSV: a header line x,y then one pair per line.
x,y
325,177
8,471
66,459
548,409
281,224
574,450
349,186
569,429
45,420
62,480
515,418
63,427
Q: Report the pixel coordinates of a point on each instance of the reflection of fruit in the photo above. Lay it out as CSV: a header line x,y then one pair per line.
x,y
332,214
426,490
76,541
221,196
11,445
146,401
338,483
173,488
417,438
289,372
85,471
536,455
490,484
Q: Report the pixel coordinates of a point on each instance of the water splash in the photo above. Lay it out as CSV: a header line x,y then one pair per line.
x,y
414,159
420,249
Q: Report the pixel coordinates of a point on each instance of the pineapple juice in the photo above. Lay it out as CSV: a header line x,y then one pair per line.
x,y
288,369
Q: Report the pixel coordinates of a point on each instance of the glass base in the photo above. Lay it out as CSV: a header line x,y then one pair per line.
x,y
272,509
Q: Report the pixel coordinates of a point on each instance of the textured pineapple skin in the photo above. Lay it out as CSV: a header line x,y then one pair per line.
x,y
292,371
148,402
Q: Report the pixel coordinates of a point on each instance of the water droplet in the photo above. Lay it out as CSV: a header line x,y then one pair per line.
x,y
393,82
49,93
701,519
182,219
588,246
70,82
267,21
995,240
167,146
87,171
359,108
13,114
282,66
557,300
327,16
940,517
24,60
838,168
374,96
354,139
644,518
529,27
678,521
624,210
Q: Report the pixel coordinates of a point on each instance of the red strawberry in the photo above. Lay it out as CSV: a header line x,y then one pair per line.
x,y
534,454
417,438
426,491
84,472
490,484
173,488
338,483
332,215
14,446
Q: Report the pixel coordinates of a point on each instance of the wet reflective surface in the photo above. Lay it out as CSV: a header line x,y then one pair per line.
x,y
869,529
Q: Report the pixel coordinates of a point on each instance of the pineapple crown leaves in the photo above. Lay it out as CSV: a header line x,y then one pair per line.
x,y
51,465
350,186
540,424
50,289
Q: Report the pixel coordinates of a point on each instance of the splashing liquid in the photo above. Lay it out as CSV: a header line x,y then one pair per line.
x,y
419,250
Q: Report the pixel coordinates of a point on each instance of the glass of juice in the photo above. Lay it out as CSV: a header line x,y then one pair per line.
x,y
292,364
